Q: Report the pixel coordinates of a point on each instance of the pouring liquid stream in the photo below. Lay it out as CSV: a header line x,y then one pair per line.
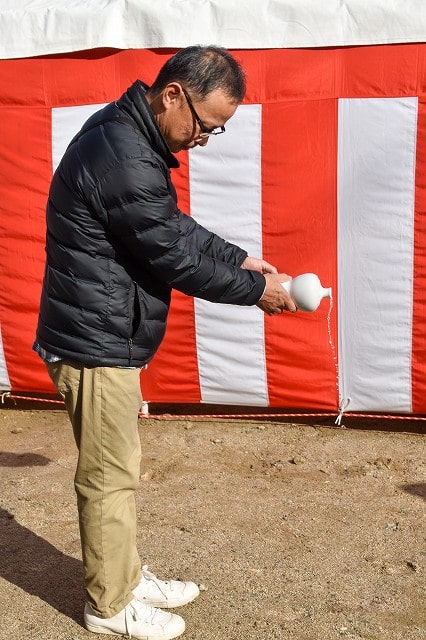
x,y
333,349
307,292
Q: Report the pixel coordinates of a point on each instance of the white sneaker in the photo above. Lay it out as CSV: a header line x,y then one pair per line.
x,y
136,620
166,594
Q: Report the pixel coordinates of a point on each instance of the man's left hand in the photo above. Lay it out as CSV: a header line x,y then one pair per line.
x,y
256,264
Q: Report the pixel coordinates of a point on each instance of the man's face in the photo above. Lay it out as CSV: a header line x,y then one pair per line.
x,y
179,124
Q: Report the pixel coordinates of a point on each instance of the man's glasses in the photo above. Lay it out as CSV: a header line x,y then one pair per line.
x,y
205,133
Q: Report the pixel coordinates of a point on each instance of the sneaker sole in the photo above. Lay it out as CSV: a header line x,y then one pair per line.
x,y
108,632
97,629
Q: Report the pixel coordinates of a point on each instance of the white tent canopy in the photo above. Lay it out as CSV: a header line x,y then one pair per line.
x,y
40,27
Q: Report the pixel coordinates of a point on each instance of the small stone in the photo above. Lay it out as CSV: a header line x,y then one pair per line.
x,y
355,470
392,526
388,569
382,463
17,430
203,587
297,460
413,565
217,441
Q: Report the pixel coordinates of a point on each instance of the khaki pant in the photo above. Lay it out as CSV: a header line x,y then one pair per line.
x,y
103,405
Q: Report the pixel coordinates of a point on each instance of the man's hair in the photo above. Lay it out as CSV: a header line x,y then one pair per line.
x,y
203,69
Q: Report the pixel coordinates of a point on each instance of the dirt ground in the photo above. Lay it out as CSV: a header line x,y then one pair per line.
x,y
294,531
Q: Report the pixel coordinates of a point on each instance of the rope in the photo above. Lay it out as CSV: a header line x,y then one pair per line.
x,y
29,398
226,416
343,404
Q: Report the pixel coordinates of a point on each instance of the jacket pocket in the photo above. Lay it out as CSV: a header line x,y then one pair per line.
x,y
135,310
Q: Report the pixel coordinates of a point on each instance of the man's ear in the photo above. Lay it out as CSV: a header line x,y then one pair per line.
x,y
171,94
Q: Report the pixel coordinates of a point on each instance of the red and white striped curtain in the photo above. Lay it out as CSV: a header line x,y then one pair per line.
x,y
322,169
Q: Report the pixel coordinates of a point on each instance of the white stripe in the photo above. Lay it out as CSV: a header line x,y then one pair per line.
x,y
225,184
66,122
4,376
376,165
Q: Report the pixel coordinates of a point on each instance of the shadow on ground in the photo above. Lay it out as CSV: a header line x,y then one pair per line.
x,y
11,459
415,489
39,569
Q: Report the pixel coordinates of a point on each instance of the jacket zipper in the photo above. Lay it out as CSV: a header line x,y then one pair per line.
x,y
130,345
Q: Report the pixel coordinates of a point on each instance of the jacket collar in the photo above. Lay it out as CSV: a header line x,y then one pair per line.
x,y
134,103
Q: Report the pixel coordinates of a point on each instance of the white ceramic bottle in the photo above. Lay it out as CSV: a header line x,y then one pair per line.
x,y
307,291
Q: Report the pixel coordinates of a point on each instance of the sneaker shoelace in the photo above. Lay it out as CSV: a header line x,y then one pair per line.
x,y
141,612
148,575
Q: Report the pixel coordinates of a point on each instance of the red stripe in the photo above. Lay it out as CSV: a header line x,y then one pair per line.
x,y
299,222
86,77
419,287
25,169
354,72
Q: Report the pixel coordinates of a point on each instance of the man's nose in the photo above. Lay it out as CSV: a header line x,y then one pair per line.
x,y
201,142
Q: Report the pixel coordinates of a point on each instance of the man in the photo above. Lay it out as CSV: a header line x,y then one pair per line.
x,y
116,245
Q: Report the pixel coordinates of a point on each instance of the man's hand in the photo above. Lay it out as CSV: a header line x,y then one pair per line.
x,y
275,298
256,264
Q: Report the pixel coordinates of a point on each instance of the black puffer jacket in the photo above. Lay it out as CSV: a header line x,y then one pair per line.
x,y
117,244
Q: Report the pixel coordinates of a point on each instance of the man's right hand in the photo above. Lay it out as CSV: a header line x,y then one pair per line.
x,y
275,298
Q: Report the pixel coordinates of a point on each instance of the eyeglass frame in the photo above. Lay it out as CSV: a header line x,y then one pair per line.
x,y
205,133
